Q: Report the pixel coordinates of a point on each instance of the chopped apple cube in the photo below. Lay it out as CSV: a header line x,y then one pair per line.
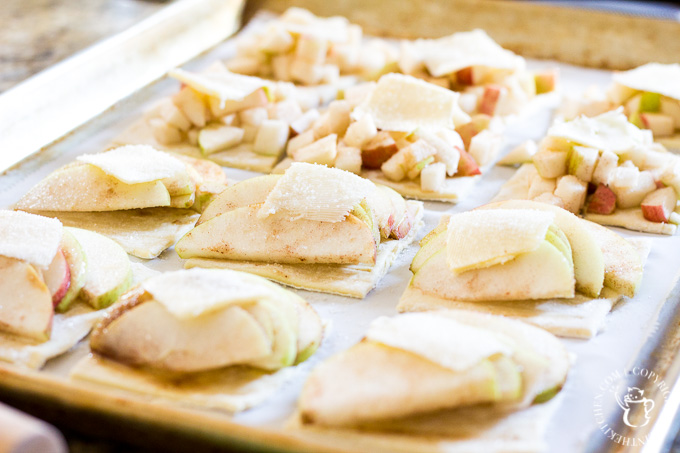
x,y
625,176
661,125
468,102
411,160
192,136
393,168
630,196
257,98
414,172
650,102
305,121
555,144
281,67
311,49
330,74
572,191
447,153
249,133
381,148
338,117
286,110
545,81
254,116
356,94
551,164
174,116
619,93
632,105
361,132
299,141
348,158
465,76
657,206
276,40
164,133
271,137
244,64
432,177
468,130
467,165
539,186
491,98
214,138
603,200
305,72
582,162
671,107
193,106
322,152
484,146
605,168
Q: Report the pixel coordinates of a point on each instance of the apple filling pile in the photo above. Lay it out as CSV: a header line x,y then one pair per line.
x,y
648,94
111,193
525,253
401,132
451,373
606,168
492,80
290,227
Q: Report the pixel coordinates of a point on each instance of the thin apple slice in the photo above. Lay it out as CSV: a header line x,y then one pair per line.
x,y
240,234
57,277
245,193
145,333
77,264
26,308
285,336
589,266
84,187
108,268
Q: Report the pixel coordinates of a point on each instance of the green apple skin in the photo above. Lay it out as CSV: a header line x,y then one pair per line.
x,y
77,263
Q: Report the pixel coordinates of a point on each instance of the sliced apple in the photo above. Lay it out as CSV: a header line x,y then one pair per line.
x,y
84,187
540,274
245,193
144,333
27,307
108,268
371,381
589,266
57,277
77,264
284,319
240,234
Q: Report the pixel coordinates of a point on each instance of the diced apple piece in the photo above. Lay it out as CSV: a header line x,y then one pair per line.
x,y
555,144
491,98
393,168
271,137
582,162
305,121
348,158
484,146
572,191
379,150
551,164
338,117
447,153
257,98
432,177
305,72
671,107
360,132
467,165
174,116
603,201
214,138
249,133
322,151
605,168
287,110
254,116
657,206
57,277
244,65
192,136
281,67
619,94
468,130
164,133
27,307
298,142
276,40
545,81
193,106
311,49
631,195
539,186
632,105
465,76
414,172
661,125
650,102
417,155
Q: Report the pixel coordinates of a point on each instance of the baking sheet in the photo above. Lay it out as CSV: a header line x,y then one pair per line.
x,y
628,327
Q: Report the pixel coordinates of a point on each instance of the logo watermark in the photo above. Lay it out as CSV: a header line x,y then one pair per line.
x,y
635,408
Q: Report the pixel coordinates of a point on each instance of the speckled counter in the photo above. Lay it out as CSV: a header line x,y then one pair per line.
x,y
35,34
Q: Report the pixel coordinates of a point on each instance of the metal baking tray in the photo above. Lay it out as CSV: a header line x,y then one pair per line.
x,y
118,79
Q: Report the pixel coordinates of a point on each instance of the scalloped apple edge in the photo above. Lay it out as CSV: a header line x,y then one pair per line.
x,y
347,280
581,317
